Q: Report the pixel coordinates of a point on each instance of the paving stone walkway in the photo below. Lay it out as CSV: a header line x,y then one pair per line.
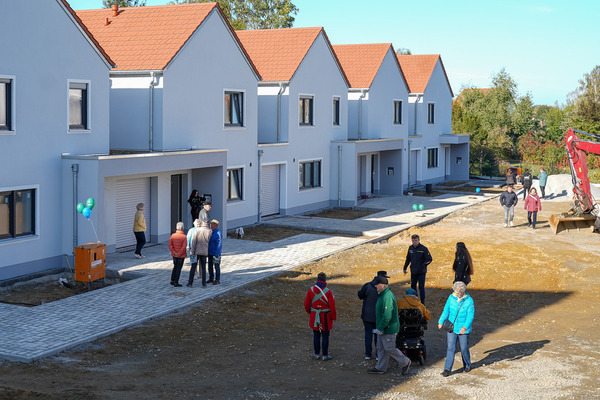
x,y
32,333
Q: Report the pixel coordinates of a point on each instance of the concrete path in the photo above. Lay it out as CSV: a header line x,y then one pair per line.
x,y
31,333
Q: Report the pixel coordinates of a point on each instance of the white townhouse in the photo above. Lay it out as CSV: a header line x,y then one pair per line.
x,y
434,153
183,116
302,107
54,99
373,156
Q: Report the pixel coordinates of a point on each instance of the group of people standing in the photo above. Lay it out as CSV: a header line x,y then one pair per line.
x,y
533,204
380,310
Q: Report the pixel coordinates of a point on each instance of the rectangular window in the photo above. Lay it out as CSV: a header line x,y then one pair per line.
x,y
310,174
5,104
430,113
17,213
397,112
234,109
306,111
432,158
78,106
234,184
336,111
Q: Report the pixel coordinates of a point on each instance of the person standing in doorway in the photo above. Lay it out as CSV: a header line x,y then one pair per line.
x,y
368,294
418,258
205,212
139,229
195,204
527,181
543,177
532,205
199,248
177,245
320,305
215,246
509,200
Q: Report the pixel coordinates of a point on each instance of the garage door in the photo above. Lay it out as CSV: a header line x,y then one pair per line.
x,y
269,190
130,192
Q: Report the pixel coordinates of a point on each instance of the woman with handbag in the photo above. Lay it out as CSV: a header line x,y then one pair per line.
x,y
463,264
457,319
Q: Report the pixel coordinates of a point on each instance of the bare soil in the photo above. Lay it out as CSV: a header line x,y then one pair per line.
x,y
343,213
535,332
265,233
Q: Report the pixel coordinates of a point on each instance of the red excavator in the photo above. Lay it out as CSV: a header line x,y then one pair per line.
x,y
584,211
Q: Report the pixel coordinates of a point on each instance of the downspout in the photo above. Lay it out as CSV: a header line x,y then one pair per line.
x,y
409,164
362,96
75,169
416,102
153,83
260,154
281,90
339,175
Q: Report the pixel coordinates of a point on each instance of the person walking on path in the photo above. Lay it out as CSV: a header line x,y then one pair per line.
x,y
509,200
215,246
368,294
205,212
320,305
139,229
177,245
193,258
459,309
527,180
410,300
199,248
511,177
543,179
463,264
195,204
532,205
418,258
387,327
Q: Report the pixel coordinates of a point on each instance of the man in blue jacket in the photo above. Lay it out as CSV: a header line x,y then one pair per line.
x,y
418,258
368,294
214,253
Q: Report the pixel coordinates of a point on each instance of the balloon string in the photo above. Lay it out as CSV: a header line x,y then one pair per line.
x,y
91,223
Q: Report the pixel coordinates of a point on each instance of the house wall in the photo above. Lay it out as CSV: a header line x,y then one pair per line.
x,y
42,49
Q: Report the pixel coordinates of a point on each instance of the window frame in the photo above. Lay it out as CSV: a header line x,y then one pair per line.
x,y
242,109
241,184
431,113
431,161
336,111
301,174
12,217
398,113
10,99
302,110
85,108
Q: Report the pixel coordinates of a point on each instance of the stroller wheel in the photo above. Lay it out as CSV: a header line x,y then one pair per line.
x,y
421,359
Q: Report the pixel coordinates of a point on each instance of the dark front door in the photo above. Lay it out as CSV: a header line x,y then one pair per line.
x,y
176,201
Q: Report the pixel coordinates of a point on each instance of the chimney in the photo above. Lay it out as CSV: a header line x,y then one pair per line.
x,y
115,9
107,22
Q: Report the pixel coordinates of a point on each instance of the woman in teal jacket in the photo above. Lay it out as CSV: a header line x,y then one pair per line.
x,y
459,309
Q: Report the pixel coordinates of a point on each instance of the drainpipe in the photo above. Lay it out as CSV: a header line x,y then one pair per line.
x,y
409,164
153,83
362,96
281,90
260,154
75,169
416,102
339,176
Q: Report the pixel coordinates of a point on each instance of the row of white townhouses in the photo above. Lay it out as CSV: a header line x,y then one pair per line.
x,y
144,104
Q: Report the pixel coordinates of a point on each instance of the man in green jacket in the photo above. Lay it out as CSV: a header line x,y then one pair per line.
x,y
387,327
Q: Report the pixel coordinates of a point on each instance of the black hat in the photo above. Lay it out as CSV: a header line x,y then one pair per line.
x,y
322,276
382,273
380,279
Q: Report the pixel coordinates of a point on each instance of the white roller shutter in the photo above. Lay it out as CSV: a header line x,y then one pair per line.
x,y
269,190
130,192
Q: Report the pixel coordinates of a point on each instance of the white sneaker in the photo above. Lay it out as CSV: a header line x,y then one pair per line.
x,y
511,223
505,225
138,256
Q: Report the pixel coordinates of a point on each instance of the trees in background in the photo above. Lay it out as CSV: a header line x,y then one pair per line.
x,y
123,3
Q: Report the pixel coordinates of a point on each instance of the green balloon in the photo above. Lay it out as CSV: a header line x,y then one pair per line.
x,y
90,203
421,207
415,207
80,207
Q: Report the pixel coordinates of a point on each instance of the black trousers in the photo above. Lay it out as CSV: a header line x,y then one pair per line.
x,y
140,238
177,265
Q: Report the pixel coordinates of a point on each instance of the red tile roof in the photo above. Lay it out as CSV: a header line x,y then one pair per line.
x,y
147,38
418,69
361,62
277,53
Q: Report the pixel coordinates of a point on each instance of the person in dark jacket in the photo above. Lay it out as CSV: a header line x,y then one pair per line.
x,y
463,264
418,258
527,180
368,294
215,246
509,200
195,204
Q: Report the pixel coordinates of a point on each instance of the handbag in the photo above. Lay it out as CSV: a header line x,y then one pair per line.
x,y
449,326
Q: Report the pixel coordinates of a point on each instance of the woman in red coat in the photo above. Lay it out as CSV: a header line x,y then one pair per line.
x,y
532,205
320,304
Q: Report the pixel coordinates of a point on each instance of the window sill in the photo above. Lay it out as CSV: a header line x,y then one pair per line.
x,y
310,189
234,127
79,131
232,202
8,133
19,239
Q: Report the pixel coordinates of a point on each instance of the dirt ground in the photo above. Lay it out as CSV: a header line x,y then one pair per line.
x,y
535,333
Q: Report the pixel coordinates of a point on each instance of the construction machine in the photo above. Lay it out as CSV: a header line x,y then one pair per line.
x,y
584,213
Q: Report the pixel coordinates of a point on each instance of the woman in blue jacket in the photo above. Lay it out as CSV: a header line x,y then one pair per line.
x,y
460,310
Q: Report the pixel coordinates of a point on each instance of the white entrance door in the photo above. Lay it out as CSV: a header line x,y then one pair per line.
x,y
269,190
130,192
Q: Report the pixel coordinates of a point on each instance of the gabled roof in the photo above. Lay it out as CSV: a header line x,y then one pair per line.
x,y
418,69
361,62
277,53
149,38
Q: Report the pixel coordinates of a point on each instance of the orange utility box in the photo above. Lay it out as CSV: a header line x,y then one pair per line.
x,y
90,260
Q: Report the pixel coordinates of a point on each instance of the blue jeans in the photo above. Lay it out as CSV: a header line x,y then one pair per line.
x,y
420,279
369,336
317,336
463,341
216,272
530,214
140,238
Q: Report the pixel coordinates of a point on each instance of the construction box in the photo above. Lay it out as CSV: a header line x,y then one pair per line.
x,y
90,262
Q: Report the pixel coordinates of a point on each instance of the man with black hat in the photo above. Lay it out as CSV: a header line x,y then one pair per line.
x,y
368,294
205,212
387,327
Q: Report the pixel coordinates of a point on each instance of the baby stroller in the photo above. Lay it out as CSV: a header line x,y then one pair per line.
x,y
410,337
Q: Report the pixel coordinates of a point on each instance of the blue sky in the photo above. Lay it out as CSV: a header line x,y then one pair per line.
x,y
546,46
